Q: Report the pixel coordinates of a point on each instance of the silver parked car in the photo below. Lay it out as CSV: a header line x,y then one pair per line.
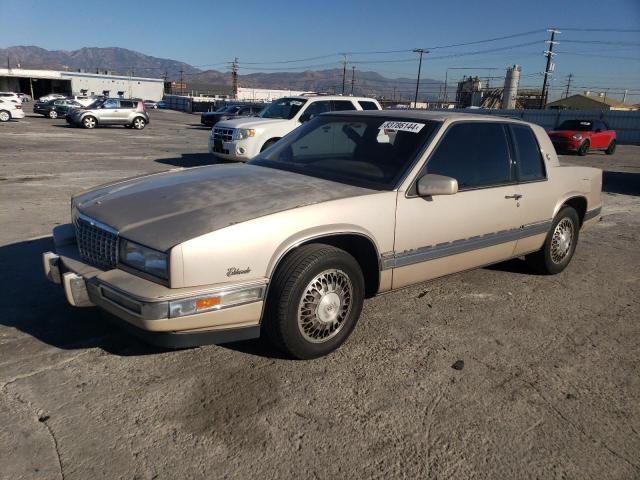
x,y
111,111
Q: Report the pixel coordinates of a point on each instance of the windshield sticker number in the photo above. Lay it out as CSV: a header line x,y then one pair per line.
x,y
402,126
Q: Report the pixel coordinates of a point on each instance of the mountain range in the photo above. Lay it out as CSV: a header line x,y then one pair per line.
x,y
125,61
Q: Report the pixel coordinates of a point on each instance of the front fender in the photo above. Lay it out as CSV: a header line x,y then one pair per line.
x,y
317,233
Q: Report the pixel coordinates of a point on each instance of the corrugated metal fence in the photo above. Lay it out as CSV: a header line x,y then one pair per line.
x,y
626,124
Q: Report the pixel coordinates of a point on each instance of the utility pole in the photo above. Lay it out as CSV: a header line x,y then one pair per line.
x,y
181,71
353,78
624,97
234,77
394,94
566,93
550,66
344,70
421,51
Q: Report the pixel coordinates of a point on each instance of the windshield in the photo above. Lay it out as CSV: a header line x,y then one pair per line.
x,y
285,108
373,152
579,125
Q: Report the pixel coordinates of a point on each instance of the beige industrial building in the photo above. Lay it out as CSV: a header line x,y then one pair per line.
x,y
37,83
589,101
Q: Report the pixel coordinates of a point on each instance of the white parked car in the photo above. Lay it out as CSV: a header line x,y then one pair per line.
x,y
10,110
11,96
242,139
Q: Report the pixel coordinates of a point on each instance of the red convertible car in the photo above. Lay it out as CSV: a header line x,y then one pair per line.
x,y
580,136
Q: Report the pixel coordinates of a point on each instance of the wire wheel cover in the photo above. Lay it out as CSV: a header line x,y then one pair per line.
x,y
562,240
325,305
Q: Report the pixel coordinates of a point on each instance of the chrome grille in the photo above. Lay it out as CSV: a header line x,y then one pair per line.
x,y
97,243
223,134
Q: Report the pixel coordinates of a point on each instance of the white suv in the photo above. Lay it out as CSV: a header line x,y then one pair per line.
x,y
242,139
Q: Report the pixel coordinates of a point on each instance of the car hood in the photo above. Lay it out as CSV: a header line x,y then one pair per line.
x,y
166,209
252,122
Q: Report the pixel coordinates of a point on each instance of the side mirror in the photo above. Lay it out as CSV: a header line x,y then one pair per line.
x,y
432,184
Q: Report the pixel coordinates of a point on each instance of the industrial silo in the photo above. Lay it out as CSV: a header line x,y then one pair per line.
x,y
511,82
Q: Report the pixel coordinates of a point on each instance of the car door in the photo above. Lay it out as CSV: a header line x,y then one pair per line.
x,y
109,112
442,234
536,203
600,137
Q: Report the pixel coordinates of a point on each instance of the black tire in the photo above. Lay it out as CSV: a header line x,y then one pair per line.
x,y
611,148
139,123
53,114
548,260
268,143
302,271
584,148
89,122
5,116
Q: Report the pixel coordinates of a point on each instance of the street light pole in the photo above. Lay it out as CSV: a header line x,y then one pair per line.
x,y
421,51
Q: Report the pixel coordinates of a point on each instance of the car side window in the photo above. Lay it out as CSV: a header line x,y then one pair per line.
x,y
530,165
316,108
126,104
476,154
110,104
340,105
368,105
597,125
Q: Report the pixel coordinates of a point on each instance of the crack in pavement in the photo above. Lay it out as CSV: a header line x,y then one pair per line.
x,y
33,410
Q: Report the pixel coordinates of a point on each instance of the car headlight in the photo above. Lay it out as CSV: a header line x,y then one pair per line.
x,y
242,133
577,136
144,259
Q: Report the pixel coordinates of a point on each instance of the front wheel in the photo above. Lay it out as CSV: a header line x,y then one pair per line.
x,y
89,122
584,148
139,123
267,144
53,114
560,244
611,148
314,302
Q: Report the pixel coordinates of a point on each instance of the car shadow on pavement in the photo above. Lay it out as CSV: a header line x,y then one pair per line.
x,y
192,160
31,304
625,183
515,265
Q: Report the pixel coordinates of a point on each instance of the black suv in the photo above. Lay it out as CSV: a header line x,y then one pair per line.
x,y
229,113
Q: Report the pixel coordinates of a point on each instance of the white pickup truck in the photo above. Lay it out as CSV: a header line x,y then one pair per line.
x,y
242,139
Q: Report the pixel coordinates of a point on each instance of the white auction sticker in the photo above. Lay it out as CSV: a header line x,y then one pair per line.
x,y
402,126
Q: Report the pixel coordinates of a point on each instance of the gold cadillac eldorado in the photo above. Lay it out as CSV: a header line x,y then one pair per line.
x,y
347,206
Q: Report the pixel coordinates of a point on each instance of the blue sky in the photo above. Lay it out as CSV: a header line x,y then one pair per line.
x,y
208,34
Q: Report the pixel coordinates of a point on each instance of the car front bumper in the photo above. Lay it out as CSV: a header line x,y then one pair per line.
x,y
565,144
142,306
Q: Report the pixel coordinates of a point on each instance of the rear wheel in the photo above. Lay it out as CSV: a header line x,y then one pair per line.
x,y
611,148
4,116
89,122
558,248
53,114
139,123
314,302
584,148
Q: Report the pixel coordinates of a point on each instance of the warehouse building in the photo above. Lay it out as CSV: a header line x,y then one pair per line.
x,y
38,83
589,101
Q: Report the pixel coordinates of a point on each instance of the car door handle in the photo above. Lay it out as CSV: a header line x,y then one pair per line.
x,y
515,196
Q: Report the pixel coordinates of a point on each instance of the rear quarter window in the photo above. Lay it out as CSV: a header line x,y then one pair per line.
x,y
530,165
127,104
